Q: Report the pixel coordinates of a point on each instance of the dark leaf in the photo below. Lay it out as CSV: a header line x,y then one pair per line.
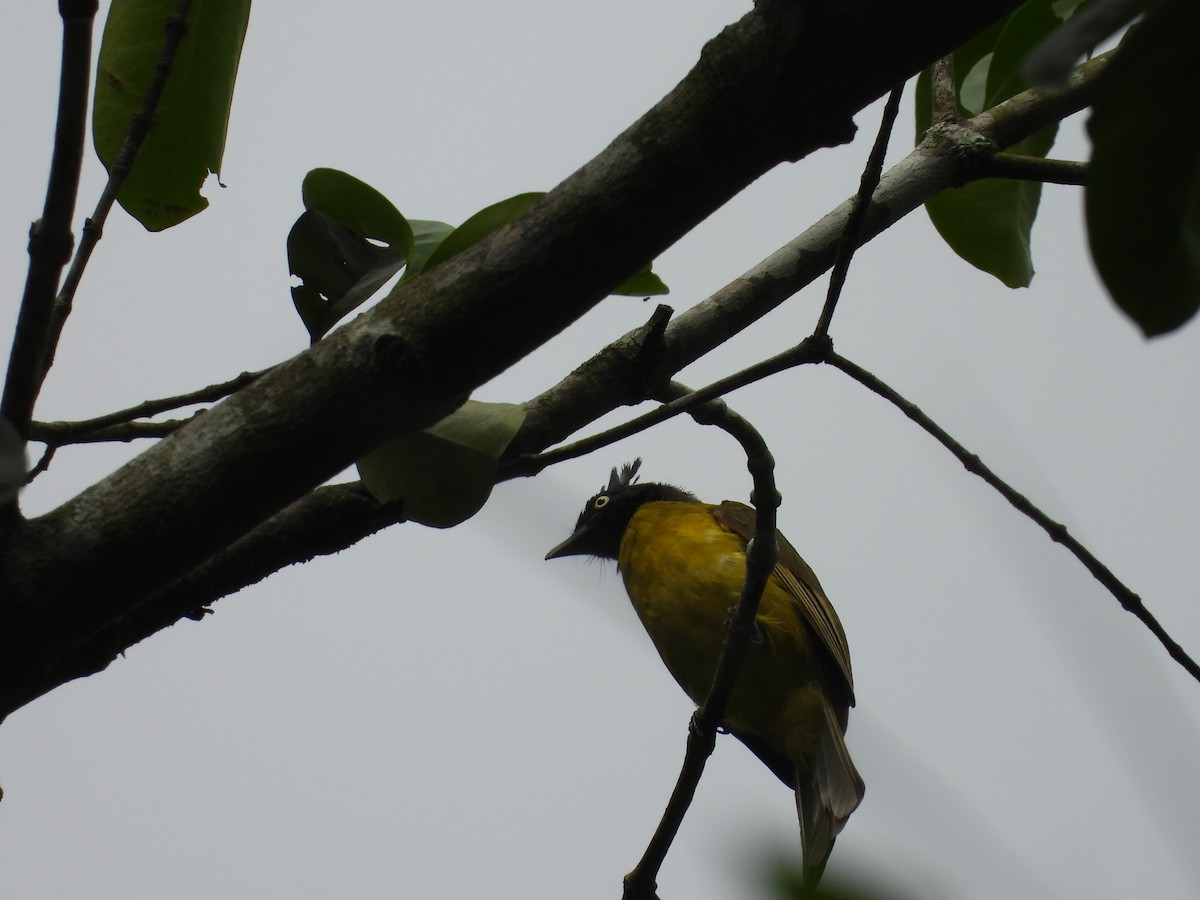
x,y
339,270
1143,192
344,248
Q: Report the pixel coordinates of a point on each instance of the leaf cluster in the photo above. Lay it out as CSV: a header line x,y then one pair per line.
x,y
1141,185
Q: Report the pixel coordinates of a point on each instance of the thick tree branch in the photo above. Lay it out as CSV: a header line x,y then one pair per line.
x,y
617,375
326,521
782,82
629,369
626,371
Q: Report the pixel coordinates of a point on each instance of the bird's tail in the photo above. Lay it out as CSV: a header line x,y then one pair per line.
x,y
826,795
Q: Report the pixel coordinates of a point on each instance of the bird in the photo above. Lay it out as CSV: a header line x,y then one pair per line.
x,y
683,562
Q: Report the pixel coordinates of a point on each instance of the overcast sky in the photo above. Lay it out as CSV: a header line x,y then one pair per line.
x,y
443,714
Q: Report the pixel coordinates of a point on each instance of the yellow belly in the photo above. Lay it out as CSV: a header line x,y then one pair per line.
x,y
683,572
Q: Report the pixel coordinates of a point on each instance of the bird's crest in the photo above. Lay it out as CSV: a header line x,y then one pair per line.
x,y
624,478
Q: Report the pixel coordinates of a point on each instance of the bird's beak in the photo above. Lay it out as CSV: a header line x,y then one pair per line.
x,y
572,546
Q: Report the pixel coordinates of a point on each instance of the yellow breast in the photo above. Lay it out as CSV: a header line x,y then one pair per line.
x,y
683,572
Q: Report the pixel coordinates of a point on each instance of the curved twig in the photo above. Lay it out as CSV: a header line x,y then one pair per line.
x,y
1131,602
640,883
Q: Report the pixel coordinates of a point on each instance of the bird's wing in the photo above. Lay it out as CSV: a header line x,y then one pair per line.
x,y
801,583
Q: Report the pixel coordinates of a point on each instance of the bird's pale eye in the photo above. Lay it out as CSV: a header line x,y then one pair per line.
x,y
600,502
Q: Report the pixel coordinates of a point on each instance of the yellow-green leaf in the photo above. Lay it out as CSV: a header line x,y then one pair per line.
x,y
444,474
187,139
479,226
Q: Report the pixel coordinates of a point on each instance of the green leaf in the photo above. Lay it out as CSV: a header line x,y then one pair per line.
x,y
358,206
1049,64
445,473
988,222
338,269
972,90
13,461
426,236
187,140
479,226
1023,30
966,60
644,284
343,248
1143,191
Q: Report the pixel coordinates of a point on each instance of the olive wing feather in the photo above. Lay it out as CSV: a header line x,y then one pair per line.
x,y
800,582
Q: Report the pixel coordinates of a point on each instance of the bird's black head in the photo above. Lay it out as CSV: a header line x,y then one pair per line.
x,y
602,522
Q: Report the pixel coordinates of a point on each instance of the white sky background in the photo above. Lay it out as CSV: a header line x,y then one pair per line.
x,y
443,714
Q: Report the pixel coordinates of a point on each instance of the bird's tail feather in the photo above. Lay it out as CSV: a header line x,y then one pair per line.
x,y
826,795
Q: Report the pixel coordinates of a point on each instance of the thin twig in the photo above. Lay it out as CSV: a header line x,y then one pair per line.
x,y
813,351
617,374
640,883
139,127
852,236
943,91
50,238
42,464
810,350
1056,530
52,435
1032,168
108,426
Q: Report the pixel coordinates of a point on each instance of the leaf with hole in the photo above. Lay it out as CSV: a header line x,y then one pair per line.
x,y
346,245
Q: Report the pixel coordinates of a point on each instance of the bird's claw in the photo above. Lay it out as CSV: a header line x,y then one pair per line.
x,y
756,633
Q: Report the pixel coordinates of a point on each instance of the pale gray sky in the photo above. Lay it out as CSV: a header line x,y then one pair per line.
x,y
442,714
